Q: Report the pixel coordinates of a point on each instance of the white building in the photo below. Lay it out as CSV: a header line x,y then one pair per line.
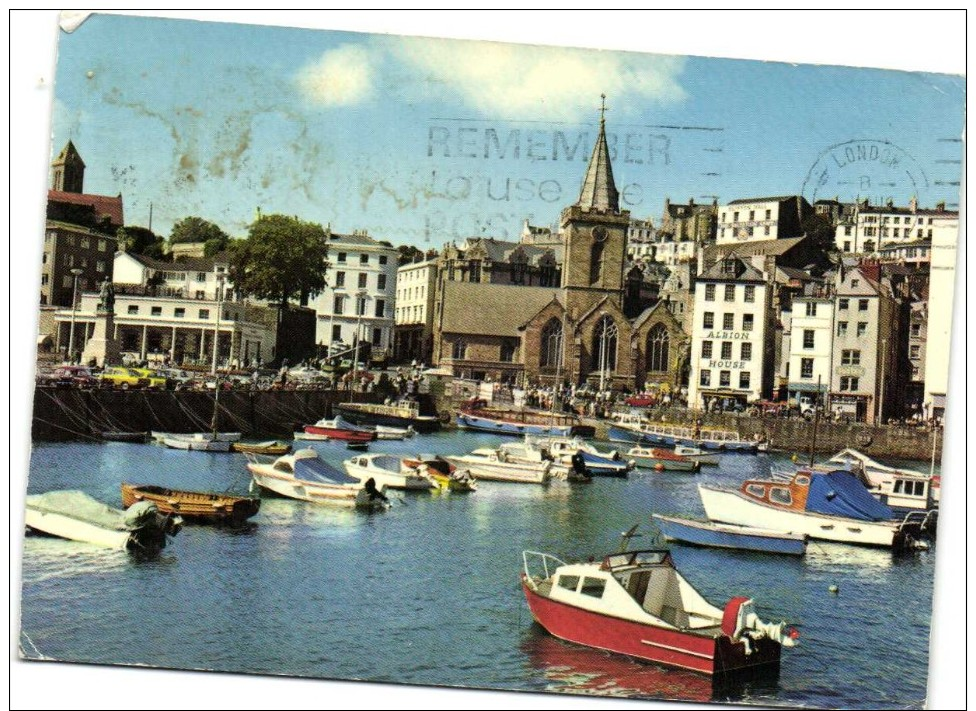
x,y
941,286
732,340
811,344
874,227
415,285
189,277
360,294
762,218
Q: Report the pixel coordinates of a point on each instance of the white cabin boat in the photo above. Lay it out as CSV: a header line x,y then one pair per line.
x,y
898,488
197,443
697,454
389,471
498,465
304,476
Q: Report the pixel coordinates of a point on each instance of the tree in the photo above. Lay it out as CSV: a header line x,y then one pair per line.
x,y
820,230
282,258
140,240
196,229
407,253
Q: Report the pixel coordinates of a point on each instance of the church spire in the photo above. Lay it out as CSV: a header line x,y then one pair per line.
x,y
69,170
599,191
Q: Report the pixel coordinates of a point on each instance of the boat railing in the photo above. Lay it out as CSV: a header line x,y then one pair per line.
x,y
545,560
917,519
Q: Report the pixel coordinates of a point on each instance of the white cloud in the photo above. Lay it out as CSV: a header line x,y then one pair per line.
x,y
340,77
545,82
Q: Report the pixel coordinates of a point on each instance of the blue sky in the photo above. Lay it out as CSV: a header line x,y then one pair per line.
x,y
391,133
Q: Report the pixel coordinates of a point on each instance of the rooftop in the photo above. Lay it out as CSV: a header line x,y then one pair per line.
x,y
491,309
105,206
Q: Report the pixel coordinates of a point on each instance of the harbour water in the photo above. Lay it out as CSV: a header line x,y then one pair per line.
x,y
428,592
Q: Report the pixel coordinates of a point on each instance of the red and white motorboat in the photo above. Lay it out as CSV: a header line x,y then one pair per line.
x,y
636,603
337,428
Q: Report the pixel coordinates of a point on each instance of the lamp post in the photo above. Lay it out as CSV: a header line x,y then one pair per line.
x,y
220,294
361,297
74,308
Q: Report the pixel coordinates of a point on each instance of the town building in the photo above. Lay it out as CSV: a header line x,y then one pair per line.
x,y
917,349
732,336
871,228
414,319
359,300
864,383
917,253
762,218
196,278
811,345
684,230
486,260
940,310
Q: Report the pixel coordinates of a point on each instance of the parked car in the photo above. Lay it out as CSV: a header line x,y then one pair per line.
x,y
67,376
154,380
124,378
176,378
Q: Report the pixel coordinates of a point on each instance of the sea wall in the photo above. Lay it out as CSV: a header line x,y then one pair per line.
x,y
62,414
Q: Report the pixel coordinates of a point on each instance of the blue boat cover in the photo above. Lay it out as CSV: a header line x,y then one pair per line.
x,y
839,493
314,469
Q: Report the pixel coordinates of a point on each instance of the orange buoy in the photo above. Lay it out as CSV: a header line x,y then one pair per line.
x,y
659,467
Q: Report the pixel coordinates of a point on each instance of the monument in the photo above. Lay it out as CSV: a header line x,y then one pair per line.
x,y
102,347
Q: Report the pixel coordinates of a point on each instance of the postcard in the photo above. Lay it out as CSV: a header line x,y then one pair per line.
x,y
421,370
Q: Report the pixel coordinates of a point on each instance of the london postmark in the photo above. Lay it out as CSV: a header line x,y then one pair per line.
x,y
873,169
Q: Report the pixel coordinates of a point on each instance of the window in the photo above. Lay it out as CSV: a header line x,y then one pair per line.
x,y
593,587
705,379
849,384
66,282
916,330
336,333
605,344
847,246
708,320
850,357
377,336
744,379
728,321
475,270
709,292
757,490
569,582
862,328
381,282
44,279
842,304
842,328
179,312
508,350
380,308
811,308
806,367
201,276
855,283
362,280
459,350
769,214
102,245
203,314
382,259
341,257
706,349
338,304
550,353
658,345
750,294
780,495
730,292
364,259
725,378
340,280
84,243
746,351
735,217
808,337
752,215
360,305
862,305
726,350
747,322
766,230
133,309
157,311
915,352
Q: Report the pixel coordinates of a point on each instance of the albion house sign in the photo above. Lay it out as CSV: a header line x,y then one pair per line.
x,y
729,335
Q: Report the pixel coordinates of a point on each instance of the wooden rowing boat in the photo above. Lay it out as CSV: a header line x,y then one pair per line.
x,y
273,448
194,506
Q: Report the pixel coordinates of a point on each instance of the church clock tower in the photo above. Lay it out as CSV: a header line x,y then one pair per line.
x,y
69,170
594,232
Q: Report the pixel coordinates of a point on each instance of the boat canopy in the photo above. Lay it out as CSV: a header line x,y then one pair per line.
x,y
839,493
78,505
314,469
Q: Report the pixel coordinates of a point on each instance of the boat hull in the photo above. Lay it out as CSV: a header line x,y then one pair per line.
x,y
274,449
341,434
196,444
619,433
139,437
388,479
492,471
703,533
73,529
727,506
714,655
292,488
421,424
194,506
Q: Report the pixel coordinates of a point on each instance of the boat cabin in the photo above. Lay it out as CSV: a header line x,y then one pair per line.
x,y
786,495
814,490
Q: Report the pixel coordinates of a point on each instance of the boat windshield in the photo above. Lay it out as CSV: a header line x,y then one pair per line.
x,y
634,558
387,462
314,469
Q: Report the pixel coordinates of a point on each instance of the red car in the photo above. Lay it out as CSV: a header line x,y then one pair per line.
x,y
641,401
67,376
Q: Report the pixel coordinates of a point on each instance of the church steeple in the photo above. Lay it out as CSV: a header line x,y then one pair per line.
x,y
69,170
599,191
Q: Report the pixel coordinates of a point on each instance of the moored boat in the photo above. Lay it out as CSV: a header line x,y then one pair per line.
x,y
697,454
117,436
303,475
721,535
388,432
596,462
495,465
636,603
76,516
475,415
337,428
830,506
158,437
194,506
389,471
404,414
632,428
447,476
662,459
272,447
897,488
197,443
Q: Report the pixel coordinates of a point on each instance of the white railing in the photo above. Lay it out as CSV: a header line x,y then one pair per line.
x,y
545,559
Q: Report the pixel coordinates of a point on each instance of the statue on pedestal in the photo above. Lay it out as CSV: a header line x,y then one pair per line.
x,y
106,300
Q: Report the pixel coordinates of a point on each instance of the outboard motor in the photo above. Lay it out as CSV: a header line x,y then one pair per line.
x,y
579,465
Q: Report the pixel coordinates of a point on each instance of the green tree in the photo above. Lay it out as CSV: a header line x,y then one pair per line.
x,y
196,229
407,253
820,230
140,240
281,259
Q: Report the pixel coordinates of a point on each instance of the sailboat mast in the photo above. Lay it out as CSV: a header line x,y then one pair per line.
x,y
816,421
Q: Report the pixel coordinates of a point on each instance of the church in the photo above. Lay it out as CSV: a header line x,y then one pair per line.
x,y
591,328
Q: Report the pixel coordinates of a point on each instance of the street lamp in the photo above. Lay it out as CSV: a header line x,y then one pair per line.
x,y
74,308
220,294
361,297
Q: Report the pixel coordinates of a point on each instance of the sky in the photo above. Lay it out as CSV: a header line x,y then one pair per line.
x,y
128,142
422,141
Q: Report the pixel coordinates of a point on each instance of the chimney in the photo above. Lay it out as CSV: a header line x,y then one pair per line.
x,y
691,202
913,204
940,206
889,202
